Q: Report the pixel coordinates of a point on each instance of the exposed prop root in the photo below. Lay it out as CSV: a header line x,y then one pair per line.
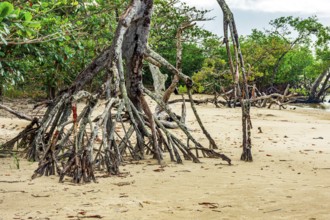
x,y
247,155
24,139
73,144
198,146
75,149
213,145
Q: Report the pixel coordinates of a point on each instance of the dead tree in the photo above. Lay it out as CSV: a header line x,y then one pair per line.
x,y
235,67
67,141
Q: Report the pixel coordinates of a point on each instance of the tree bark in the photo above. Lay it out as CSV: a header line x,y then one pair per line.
x,y
229,21
159,79
313,94
324,88
134,46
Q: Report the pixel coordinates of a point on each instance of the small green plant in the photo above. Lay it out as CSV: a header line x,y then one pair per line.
x,y
200,89
16,160
182,89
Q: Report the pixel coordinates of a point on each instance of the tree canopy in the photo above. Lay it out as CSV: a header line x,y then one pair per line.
x,y
44,44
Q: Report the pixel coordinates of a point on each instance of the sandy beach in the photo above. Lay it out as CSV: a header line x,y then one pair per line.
x,y
288,179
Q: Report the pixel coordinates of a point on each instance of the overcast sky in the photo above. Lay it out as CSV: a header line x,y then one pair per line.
x,y
251,14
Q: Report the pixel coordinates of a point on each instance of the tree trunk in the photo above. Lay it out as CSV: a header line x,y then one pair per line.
x,y
324,88
134,46
159,79
313,94
229,22
51,93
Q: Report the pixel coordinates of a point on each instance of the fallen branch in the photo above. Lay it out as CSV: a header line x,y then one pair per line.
x,y
18,114
199,101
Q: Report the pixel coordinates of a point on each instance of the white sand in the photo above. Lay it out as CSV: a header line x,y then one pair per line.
x,y
289,178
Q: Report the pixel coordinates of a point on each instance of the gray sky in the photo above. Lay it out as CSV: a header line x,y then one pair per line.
x,y
251,14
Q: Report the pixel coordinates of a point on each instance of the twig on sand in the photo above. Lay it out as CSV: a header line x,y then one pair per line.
x,y
275,210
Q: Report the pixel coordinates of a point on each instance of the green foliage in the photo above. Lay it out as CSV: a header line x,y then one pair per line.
x,y
277,57
6,9
16,23
213,77
164,30
284,54
182,89
16,160
299,91
295,68
45,44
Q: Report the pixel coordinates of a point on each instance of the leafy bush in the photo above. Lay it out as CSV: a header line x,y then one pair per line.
x,y
299,91
212,77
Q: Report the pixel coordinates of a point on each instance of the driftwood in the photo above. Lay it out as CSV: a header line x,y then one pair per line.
x,y
263,100
201,101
